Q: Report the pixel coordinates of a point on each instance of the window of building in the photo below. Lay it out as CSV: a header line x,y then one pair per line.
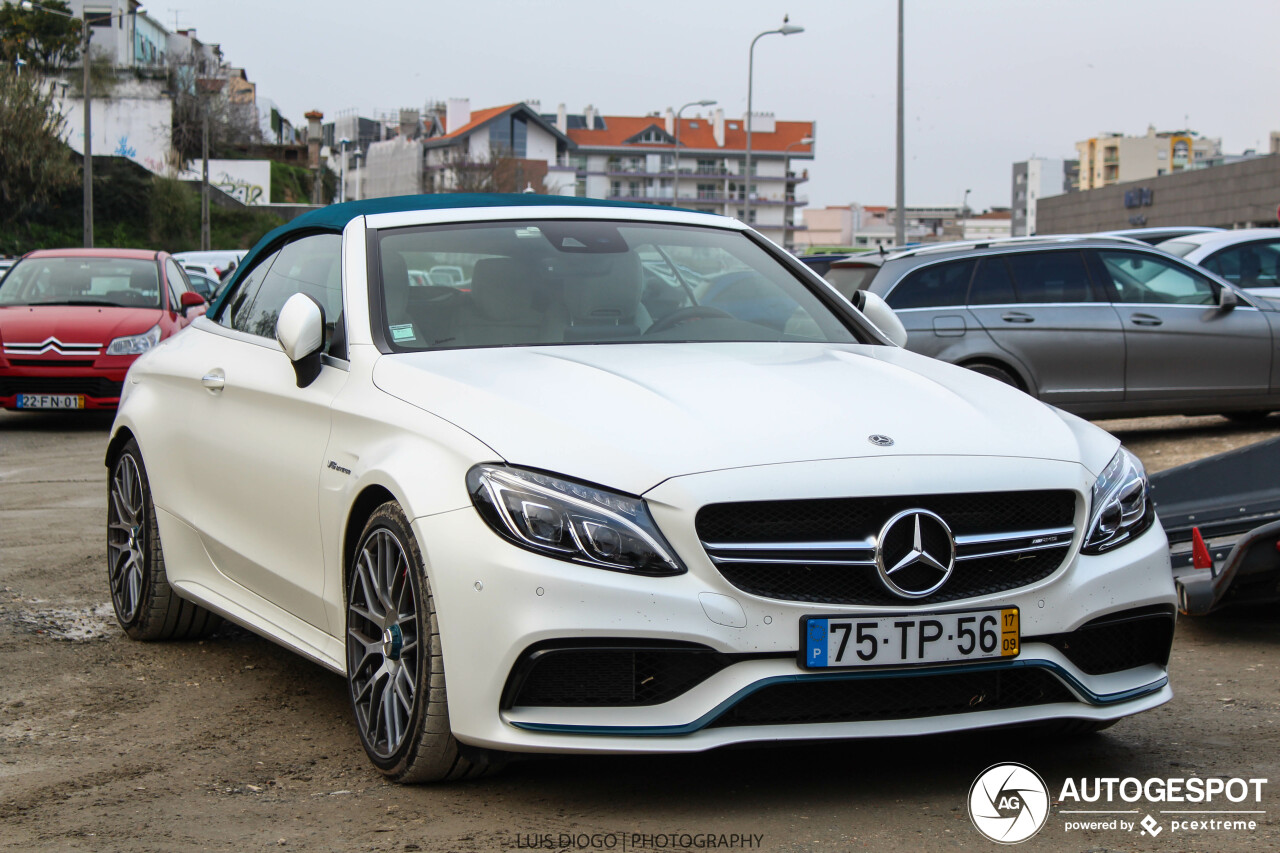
x,y
510,134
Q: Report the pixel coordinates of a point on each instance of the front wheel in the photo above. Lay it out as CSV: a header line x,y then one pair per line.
x,y
395,667
995,372
146,606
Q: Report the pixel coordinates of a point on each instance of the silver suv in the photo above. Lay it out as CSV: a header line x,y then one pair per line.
x,y
1098,327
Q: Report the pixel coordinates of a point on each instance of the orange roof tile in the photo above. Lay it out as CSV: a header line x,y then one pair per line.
x,y
478,117
621,128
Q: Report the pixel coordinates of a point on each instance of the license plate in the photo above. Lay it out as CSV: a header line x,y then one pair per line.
x,y
909,638
50,401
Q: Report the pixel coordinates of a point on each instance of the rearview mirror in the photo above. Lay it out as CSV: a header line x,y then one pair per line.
x,y
189,299
881,315
300,332
1227,298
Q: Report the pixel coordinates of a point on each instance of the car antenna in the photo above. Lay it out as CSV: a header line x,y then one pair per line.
x,y
881,248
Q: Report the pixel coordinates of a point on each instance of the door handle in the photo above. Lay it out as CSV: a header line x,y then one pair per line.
x,y
1145,320
214,379
1017,317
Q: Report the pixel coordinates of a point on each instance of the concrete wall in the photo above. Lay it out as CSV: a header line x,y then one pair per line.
x,y
247,181
137,128
1240,194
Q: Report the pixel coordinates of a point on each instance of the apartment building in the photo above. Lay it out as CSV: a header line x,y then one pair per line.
x,y
1034,179
698,164
1112,158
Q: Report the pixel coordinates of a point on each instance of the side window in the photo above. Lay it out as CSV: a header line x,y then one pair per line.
x,y
1137,277
934,286
1050,277
992,284
235,309
311,265
177,284
1250,265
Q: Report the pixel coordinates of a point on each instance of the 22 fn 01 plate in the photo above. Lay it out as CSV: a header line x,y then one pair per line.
x,y
50,401
903,639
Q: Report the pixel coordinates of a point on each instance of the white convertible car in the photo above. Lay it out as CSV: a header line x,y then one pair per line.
x,y
645,484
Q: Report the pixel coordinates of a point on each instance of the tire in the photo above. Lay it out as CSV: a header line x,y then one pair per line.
x,y
146,607
995,372
391,656
1246,418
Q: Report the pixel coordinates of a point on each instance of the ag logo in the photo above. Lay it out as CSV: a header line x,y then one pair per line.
x,y
1008,803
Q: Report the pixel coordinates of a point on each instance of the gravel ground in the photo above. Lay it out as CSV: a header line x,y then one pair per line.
x,y
236,744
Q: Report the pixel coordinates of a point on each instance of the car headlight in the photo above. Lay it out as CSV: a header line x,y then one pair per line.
x,y
571,521
1121,504
135,344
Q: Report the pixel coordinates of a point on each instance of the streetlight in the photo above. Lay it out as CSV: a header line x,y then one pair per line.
x,y
675,178
29,6
964,205
900,219
359,157
342,148
785,30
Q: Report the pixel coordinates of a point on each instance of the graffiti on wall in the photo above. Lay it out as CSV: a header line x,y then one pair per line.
x,y
239,189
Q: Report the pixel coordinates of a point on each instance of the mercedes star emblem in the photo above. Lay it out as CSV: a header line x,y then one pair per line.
x,y
915,553
880,440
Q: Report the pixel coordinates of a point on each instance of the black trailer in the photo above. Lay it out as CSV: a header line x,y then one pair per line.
x,y
1233,500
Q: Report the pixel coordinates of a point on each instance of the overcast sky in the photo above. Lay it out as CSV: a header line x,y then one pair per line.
x,y
988,82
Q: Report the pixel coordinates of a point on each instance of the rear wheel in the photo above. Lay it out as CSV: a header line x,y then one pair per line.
x,y
994,371
395,667
147,608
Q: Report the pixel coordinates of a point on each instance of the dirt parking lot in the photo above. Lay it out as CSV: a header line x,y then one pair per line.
x,y
235,744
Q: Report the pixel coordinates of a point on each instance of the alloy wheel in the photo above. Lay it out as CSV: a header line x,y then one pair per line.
x,y
382,642
126,538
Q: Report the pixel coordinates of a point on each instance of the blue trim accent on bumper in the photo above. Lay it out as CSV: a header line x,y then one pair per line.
x,y
1098,699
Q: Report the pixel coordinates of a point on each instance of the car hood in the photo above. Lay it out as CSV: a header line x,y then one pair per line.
x,y
73,324
630,416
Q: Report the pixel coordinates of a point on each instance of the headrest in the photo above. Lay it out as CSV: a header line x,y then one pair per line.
x,y
603,288
501,289
142,279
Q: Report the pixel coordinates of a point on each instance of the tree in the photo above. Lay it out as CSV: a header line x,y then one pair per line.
x,y
198,84
499,172
43,40
35,162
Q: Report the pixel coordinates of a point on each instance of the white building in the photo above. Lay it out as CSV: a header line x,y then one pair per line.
x,y
634,158
1034,179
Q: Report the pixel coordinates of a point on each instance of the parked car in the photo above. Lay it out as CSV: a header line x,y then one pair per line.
x,y
72,321
5,263
1093,326
206,286
1158,234
1248,258
206,270
566,512
222,261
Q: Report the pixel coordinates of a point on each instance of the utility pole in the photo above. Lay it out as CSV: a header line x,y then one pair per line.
x,y
205,235
88,140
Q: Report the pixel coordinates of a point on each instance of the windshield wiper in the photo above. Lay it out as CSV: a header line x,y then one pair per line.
x,y
103,302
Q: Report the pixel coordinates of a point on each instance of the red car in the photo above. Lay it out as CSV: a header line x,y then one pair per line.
x,y
73,320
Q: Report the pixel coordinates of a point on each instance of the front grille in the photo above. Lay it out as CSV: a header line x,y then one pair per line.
x,y
610,677
1117,642
783,549
90,386
51,362
895,698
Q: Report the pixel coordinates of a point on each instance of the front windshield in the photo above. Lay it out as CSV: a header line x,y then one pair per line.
x,y
112,282
587,282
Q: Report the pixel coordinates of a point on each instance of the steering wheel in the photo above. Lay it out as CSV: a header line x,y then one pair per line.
x,y
687,315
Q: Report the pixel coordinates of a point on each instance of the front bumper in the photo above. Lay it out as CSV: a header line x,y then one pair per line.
x,y
495,601
99,382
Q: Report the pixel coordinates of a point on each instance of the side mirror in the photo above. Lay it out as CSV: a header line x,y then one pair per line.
x,y
1227,298
881,315
300,332
189,299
